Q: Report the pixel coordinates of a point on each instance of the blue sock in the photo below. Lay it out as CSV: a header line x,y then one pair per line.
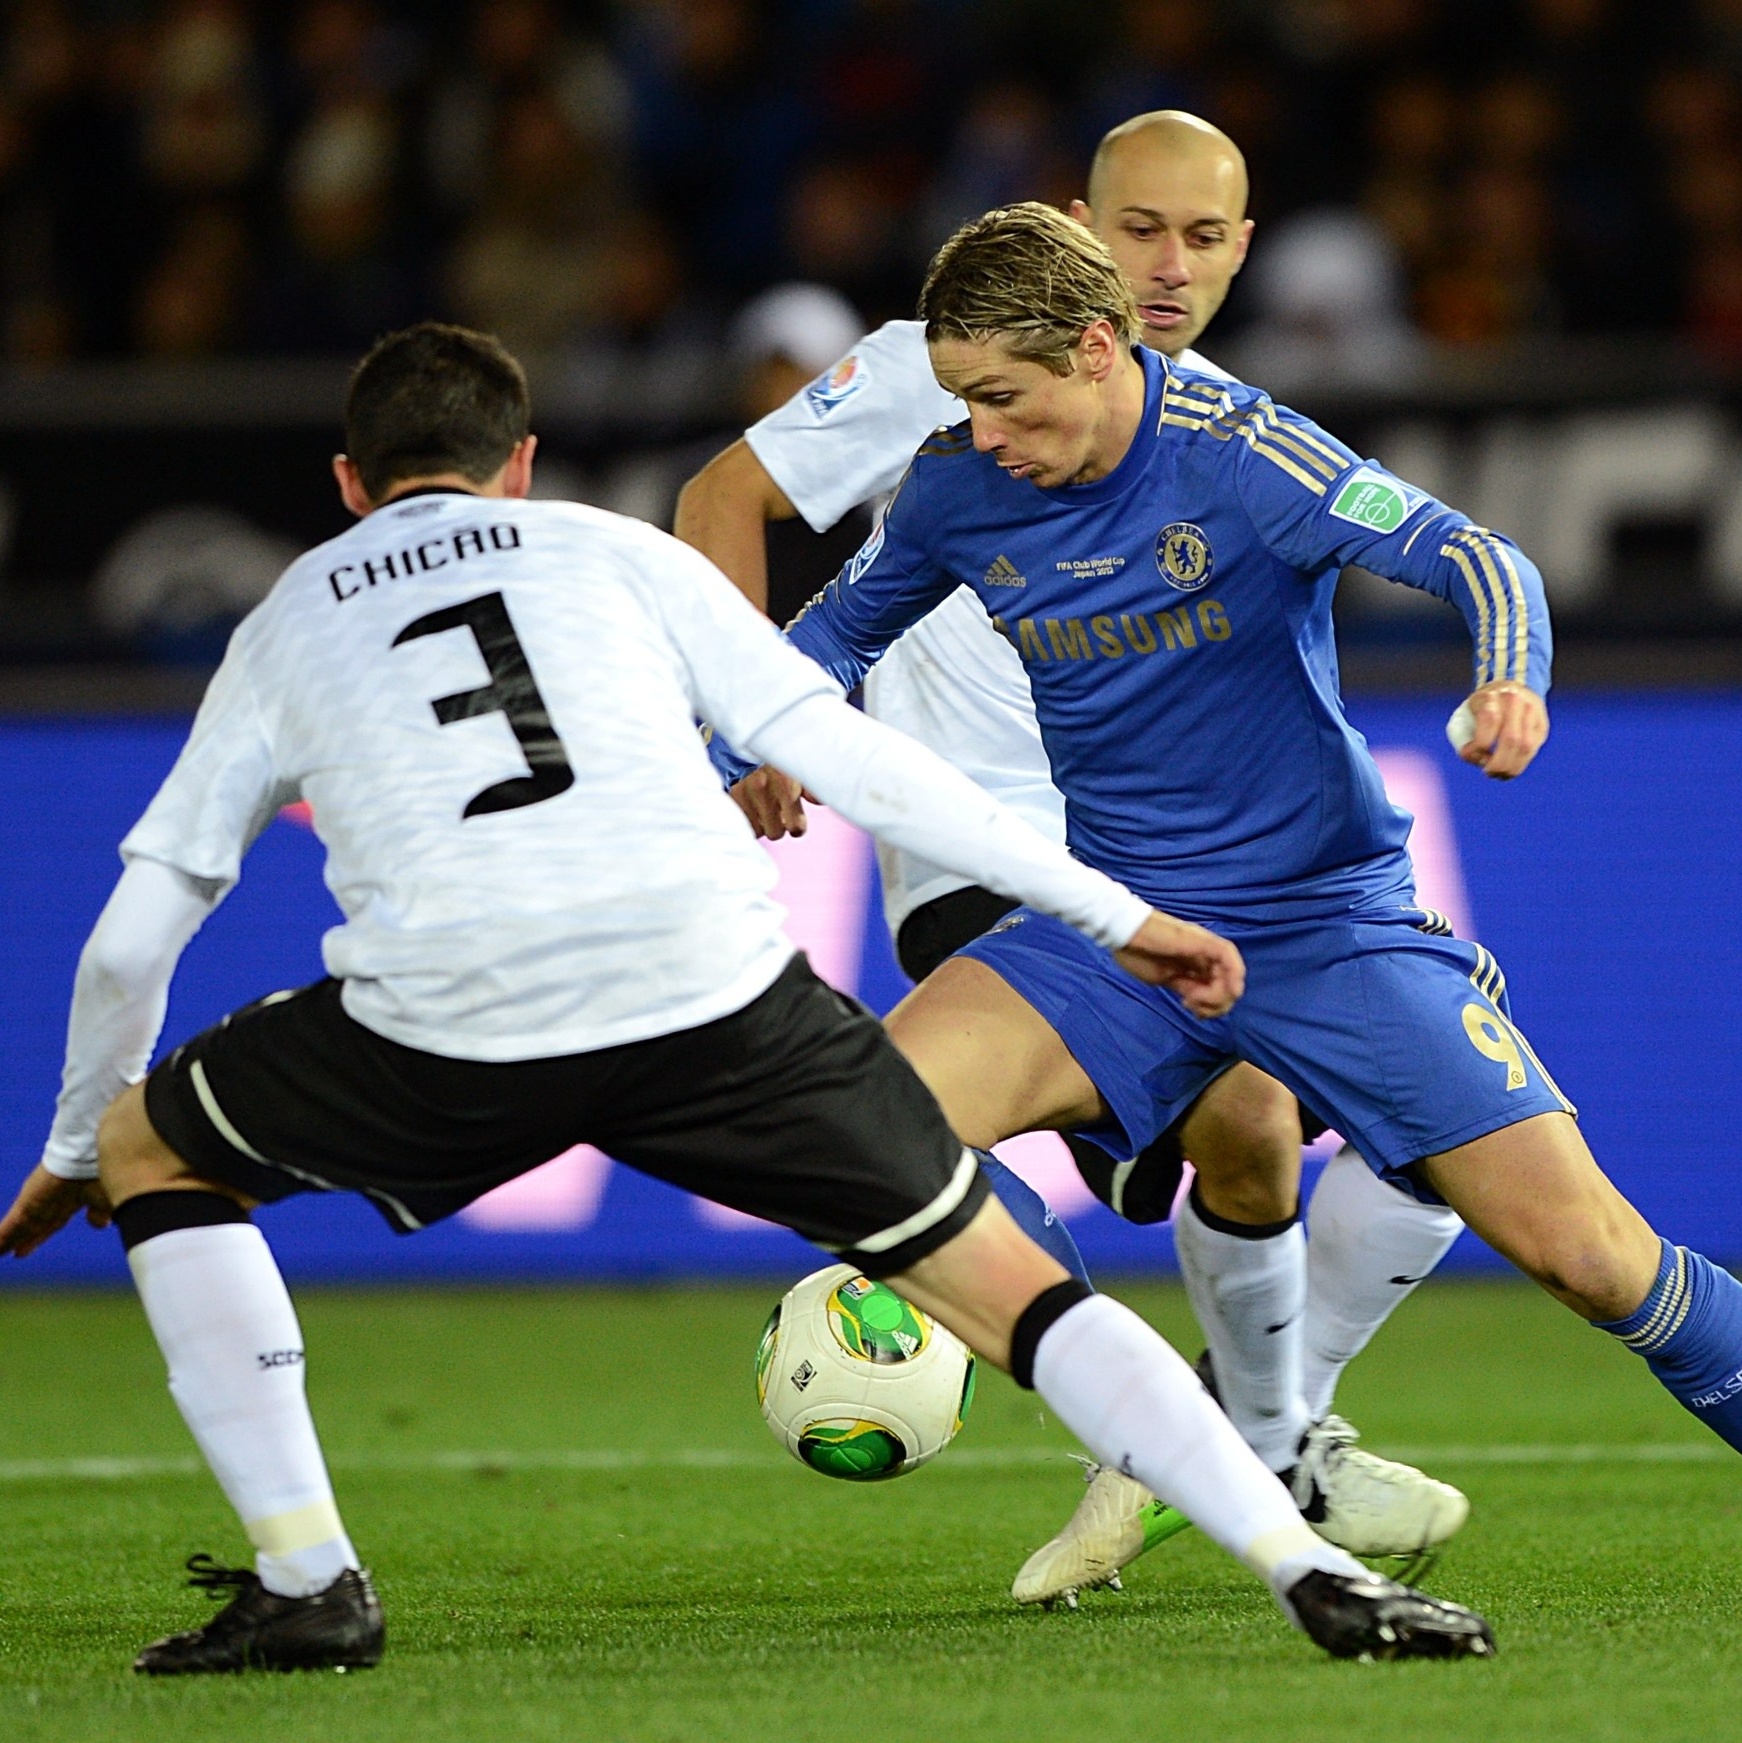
x,y
1689,1330
1033,1215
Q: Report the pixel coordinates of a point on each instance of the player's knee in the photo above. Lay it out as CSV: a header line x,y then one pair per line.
x,y
1244,1140
1249,1180
1259,1120
1589,1269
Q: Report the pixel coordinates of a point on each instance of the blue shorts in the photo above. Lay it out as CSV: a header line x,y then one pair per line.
x,y
1391,1029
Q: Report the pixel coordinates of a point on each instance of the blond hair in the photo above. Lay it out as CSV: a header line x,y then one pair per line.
x,y
1030,277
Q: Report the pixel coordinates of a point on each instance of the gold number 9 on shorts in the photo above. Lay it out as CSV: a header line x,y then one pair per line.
x,y
1489,1037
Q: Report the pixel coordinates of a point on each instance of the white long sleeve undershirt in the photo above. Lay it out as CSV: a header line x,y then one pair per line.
x,y
911,798
120,995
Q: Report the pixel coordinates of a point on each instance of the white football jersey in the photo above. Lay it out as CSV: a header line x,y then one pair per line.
x,y
951,681
490,706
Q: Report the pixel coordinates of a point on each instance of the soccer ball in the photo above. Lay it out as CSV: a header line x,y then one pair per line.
x,y
857,1383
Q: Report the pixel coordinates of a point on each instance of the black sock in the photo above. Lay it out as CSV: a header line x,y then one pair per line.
x,y
156,1213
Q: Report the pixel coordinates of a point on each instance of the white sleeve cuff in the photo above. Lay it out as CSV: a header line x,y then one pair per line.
x,y
70,1168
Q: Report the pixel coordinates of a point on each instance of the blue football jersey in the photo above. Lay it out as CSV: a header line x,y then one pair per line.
x,y
1174,619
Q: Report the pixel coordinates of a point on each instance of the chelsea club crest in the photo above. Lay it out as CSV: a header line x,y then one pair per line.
x,y
1183,556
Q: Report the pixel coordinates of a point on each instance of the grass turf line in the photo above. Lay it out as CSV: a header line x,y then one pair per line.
x,y
759,1601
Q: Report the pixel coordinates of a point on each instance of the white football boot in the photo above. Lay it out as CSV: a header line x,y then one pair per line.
x,y
1369,1505
1362,1503
1115,1522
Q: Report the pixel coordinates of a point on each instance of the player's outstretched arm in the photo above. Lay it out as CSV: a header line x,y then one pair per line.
x,y
723,512
907,795
120,995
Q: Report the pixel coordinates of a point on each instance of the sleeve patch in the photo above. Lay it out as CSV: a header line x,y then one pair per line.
x,y
836,385
864,557
1371,499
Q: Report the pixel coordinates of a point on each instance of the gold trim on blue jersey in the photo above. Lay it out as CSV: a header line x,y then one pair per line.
x,y
1242,425
1503,626
1484,651
1224,420
1492,983
947,439
1520,641
1319,455
1339,462
1503,588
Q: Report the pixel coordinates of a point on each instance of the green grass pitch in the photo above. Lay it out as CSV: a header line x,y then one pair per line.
x,y
582,1531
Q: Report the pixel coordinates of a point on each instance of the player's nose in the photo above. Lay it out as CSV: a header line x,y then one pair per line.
x,y
988,437
1173,267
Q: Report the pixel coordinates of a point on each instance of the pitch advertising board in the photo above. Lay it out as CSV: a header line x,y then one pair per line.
x,y
1607,882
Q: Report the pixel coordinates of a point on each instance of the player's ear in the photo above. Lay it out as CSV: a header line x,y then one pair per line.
x,y
350,482
1243,244
1080,210
517,474
1099,349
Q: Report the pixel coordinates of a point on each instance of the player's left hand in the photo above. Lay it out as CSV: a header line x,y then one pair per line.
x,y
773,802
1207,972
44,1206
1511,725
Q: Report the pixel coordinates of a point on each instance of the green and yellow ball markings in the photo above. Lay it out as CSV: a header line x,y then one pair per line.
x,y
967,1402
765,1352
872,1322
861,1452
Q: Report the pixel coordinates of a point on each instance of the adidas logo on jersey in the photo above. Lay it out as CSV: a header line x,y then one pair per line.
x,y
1004,573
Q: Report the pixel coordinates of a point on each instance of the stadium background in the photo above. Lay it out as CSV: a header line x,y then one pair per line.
x,y
1499,246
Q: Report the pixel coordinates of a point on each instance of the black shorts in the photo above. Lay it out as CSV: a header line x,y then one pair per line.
x,y
1141,1190
796,1108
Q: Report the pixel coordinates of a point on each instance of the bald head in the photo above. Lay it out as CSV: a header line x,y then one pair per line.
x,y
1175,139
1167,194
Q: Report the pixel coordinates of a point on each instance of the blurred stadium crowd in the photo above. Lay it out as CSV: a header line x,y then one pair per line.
x,y
191,178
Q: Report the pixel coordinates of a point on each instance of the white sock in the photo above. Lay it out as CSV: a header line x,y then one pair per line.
x,y
1136,1405
1250,1295
1370,1244
224,1322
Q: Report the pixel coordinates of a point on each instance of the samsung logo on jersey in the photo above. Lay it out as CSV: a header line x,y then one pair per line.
x,y
349,579
1042,641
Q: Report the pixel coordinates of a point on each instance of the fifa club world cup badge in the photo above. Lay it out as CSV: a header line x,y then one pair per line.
x,y
1183,556
836,385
